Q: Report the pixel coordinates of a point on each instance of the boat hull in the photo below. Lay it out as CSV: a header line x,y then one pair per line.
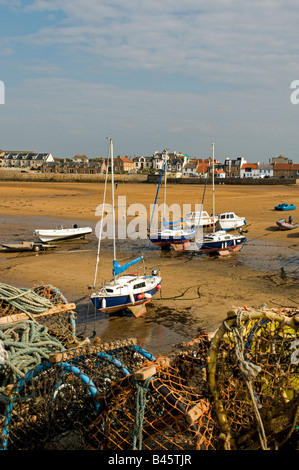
x,y
164,240
110,304
284,225
168,243
62,234
210,247
25,246
285,207
229,228
226,243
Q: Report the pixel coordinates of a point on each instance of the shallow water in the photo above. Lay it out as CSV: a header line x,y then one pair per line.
x,y
149,330
161,328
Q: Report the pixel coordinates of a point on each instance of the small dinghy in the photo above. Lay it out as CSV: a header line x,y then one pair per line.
x,y
285,207
25,246
283,224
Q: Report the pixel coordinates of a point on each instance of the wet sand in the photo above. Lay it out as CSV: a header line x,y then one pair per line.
x,y
197,290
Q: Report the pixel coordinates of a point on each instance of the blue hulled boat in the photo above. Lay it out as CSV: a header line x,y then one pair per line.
x,y
171,234
285,207
167,237
220,241
128,291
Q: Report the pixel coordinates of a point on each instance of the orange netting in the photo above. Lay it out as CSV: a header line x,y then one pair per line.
x,y
235,390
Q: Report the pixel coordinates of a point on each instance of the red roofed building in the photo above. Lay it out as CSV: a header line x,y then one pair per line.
x,y
202,170
295,168
249,170
286,170
124,165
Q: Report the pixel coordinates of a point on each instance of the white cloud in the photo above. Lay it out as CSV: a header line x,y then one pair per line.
x,y
239,56
65,116
233,42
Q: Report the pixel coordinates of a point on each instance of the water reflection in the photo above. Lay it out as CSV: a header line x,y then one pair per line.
x,y
158,330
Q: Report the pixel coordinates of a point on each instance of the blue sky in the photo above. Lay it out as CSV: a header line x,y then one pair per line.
x,y
151,75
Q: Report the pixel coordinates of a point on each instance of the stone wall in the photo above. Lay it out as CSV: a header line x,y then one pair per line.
x,y
16,175
236,181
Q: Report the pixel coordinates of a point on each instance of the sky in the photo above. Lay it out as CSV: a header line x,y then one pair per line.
x,y
151,75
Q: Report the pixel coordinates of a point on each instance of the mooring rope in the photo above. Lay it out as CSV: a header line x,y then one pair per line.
x,y
25,300
24,345
140,410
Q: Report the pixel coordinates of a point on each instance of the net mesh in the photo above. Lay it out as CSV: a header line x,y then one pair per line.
x,y
253,373
236,389
43,303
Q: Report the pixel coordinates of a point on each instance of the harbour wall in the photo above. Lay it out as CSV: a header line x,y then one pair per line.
x,y
17,175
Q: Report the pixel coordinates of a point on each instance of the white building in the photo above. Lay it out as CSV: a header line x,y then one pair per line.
x,y
24,159
256,170
266,170
142,162
189,168
249,170
175,161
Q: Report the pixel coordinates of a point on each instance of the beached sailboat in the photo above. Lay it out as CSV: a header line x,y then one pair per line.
x,y
219,241
171,234
129,291
60,233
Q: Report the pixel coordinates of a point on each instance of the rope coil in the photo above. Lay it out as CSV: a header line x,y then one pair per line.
x,y
25,300
25,345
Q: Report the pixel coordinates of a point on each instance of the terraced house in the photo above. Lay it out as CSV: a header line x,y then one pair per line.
x,y
286,170
26,160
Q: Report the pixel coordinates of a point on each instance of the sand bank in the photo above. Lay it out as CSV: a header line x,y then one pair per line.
x,y
197,290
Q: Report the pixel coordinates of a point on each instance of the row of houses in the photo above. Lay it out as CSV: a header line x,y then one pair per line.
x,y
46,163
24,159
90,166
177,165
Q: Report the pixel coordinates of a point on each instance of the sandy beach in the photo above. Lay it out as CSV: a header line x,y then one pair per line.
x,y
197,291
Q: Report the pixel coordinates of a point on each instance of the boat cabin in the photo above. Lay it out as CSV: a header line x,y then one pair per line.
x,y
227,216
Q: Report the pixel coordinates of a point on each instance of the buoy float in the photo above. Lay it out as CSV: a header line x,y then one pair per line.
x,y
159,286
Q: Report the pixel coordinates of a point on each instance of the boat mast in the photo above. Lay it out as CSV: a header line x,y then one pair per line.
x,y
213,177
113,204
165,181
157,192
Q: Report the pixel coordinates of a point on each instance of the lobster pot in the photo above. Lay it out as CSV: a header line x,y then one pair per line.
x,y
53,405
253,375
45,304
61,324
163,406
47,410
